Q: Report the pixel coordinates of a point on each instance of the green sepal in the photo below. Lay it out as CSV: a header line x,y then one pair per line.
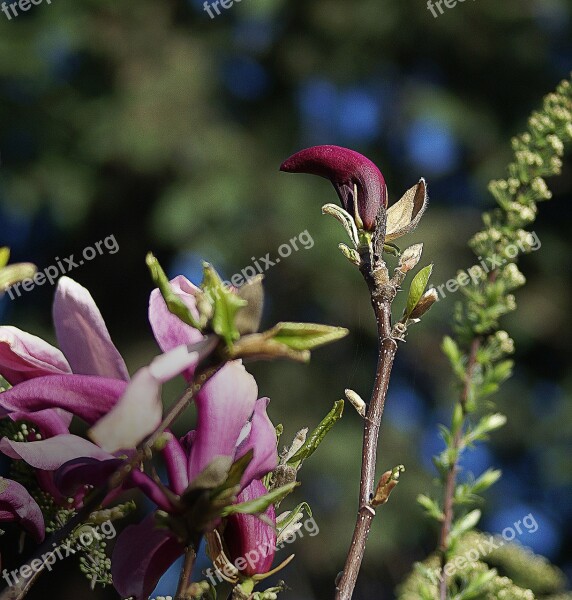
x,y
173,302
260,504
316,437
226,305
306,336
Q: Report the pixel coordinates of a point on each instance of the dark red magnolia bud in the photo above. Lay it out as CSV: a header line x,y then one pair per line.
x,y
345,169
250,541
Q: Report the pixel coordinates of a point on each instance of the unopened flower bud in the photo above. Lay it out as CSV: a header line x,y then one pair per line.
x,y
351,174
386,484
251,542
357,402
410,258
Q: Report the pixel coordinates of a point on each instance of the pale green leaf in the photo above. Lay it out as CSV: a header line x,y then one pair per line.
x,y
417,288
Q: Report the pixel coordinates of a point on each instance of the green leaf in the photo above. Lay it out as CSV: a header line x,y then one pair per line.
x,y
458,418
417,288
236,471
173,302
486,480
259,505
226,305
464,524
315,438
453,353
431,507
503,370
487,424
477,586
391,249
305,336
351,254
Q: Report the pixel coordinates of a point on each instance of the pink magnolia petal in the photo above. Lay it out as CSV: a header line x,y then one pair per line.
x,y
24,356
262,440
16,504
223,407
168,329
86,396
176,462
82,333
135,416
140,410
167,366
141,556
151,489
50,422
250,538
73,475
51,454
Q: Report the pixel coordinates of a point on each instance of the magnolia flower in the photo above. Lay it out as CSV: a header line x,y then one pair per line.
x,y
85,378
357,180
230,423
66,463
50,386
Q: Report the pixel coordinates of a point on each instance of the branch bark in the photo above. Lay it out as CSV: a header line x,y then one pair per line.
x,y
382,296
451,479
186,572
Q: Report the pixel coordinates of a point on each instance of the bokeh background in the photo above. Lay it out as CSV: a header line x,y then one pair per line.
x,y
149,121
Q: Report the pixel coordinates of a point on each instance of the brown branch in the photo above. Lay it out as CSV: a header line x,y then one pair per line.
x,y
186,572
382,295
451,479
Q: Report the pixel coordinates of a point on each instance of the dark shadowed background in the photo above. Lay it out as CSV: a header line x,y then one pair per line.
x,y
151,122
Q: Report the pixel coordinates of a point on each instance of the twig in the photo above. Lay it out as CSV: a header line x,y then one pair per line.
x,y
186,572
451,479
382,296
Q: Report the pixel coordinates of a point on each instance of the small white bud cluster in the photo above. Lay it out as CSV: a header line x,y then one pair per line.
x,y
510,302
528,158
513,277
539,187
505,342
524,214
556,144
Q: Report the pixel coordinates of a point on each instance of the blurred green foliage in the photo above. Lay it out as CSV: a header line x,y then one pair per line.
x,y
152,122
